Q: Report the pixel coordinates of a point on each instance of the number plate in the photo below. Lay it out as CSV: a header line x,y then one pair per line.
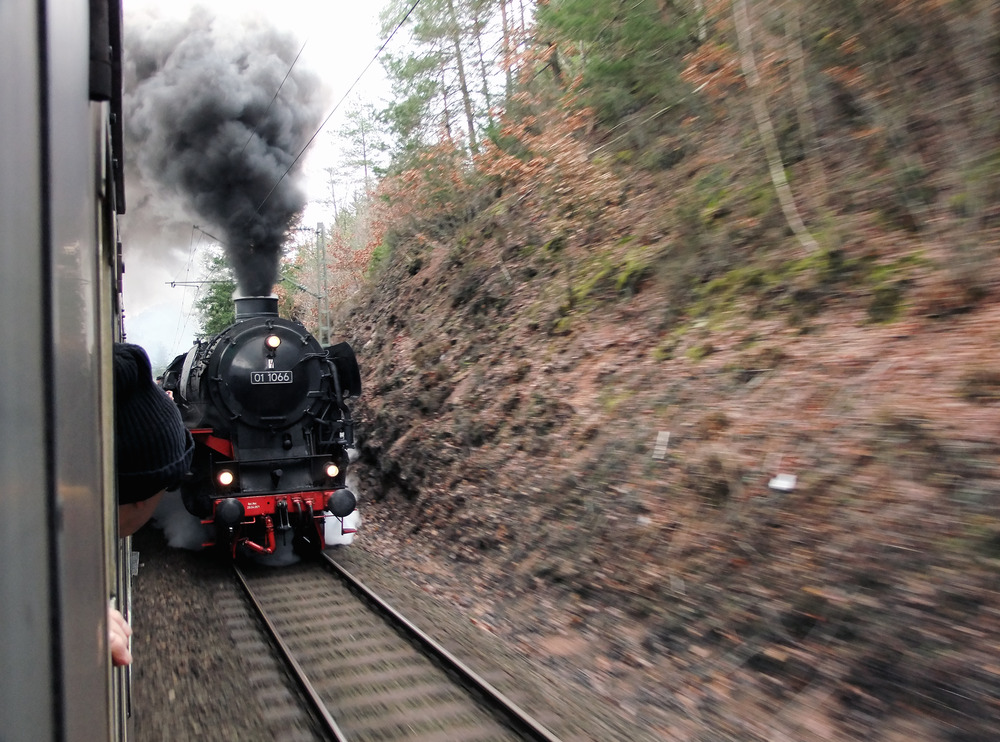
x,y
270,377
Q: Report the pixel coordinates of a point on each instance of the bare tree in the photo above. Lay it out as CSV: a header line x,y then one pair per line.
x,y
766,129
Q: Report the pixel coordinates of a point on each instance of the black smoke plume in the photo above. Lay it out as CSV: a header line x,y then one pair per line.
x,y
203,129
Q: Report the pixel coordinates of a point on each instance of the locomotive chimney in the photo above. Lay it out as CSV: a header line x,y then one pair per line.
x,y
256,306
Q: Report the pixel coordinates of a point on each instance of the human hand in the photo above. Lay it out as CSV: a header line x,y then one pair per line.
x,y
118,633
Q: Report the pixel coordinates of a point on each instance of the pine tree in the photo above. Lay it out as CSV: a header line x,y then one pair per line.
x,y
436,95
215,307
628,55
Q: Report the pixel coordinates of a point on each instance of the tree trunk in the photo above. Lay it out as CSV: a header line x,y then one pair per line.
x,y
478,27
699,7
447,108
506,51
766,129
463,85
800,90
364,159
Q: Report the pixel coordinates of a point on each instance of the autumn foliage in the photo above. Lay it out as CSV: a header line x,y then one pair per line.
x,y
780,258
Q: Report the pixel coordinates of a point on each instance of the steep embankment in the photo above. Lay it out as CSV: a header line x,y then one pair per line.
x,y
525,353
512,441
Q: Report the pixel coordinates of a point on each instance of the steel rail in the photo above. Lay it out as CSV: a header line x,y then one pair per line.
x,y
329,723
515,717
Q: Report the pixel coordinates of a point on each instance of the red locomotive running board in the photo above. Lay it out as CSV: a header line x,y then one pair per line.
x,y
296,501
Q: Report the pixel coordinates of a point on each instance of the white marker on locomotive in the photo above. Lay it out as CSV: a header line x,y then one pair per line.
x,y
266,404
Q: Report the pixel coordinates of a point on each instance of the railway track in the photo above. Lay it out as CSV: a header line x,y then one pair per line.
x,y
368,672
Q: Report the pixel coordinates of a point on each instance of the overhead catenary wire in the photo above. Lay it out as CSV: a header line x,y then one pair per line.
x,y
208,234
274,97
312,138
184,318
337,106
174,284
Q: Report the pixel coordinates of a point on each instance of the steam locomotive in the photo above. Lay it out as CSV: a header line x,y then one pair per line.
x,y
266,405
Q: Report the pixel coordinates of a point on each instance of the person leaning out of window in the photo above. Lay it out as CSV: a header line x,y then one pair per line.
x,y
153,451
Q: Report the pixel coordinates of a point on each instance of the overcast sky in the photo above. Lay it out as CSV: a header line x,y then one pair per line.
x,y
340,39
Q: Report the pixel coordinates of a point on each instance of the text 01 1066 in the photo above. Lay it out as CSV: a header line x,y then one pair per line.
x,y
270,377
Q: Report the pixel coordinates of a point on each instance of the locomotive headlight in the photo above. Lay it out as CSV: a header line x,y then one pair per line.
x,y
272,341
225,478
332,470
